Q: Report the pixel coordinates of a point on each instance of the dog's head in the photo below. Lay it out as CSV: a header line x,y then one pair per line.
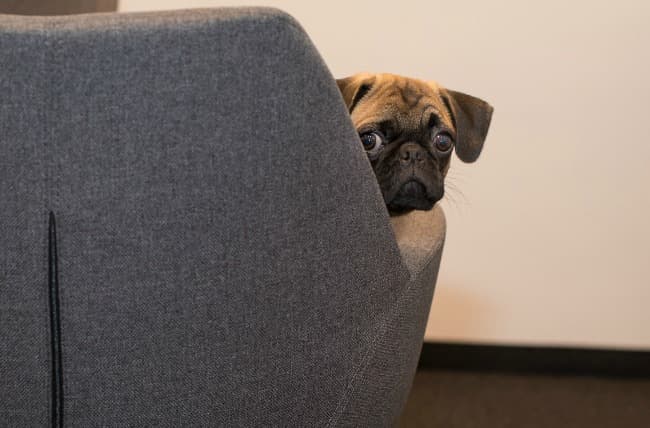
x,y
409,128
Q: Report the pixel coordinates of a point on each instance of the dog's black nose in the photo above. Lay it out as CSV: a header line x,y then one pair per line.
x,y
411,153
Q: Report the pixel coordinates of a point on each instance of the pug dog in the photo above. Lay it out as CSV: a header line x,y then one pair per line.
x,y
409,129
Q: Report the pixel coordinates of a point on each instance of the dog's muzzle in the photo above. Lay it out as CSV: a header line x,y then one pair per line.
x,y
414,195
413,189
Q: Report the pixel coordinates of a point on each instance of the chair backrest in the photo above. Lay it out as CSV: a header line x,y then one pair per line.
x,y
221,243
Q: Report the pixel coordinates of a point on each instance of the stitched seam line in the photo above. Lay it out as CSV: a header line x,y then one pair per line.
x,y
383,329
428,257
55,327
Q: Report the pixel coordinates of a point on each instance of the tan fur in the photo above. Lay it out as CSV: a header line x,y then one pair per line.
x,y
411,118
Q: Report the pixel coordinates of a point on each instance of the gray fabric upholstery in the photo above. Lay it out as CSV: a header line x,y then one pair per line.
x,y
393,356
225,257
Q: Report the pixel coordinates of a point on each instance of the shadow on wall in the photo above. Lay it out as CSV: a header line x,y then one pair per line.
x,y
56,7
452,306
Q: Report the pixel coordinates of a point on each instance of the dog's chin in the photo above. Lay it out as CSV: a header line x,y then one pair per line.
x,y
412,195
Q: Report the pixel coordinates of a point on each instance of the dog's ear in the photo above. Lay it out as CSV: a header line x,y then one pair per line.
x,y
471,117
354,88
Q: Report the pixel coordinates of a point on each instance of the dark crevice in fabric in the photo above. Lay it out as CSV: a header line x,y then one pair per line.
x,y
55,327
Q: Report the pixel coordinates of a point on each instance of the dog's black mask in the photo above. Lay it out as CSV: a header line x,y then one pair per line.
x,y
409,129
410,170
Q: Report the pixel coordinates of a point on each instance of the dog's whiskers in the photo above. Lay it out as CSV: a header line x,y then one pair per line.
x,y
456,175
453,194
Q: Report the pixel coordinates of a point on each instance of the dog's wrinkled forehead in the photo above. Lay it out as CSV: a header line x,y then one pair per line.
x,y
409,102
373,99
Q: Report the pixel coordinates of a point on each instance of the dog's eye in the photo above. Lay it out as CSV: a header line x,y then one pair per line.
x,y
443,142
371,140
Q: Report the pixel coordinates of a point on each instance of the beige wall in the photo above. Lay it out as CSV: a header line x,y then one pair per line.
x,y
548,235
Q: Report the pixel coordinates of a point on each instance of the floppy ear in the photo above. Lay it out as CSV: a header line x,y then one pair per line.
x,y
354,88
471,117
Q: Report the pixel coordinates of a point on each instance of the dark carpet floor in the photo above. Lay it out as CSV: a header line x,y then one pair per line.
x,y
456,399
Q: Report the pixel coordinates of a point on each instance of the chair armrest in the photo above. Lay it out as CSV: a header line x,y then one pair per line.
x,y
390,362
420,237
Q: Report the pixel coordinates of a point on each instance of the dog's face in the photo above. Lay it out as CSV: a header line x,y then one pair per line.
x,y
409,129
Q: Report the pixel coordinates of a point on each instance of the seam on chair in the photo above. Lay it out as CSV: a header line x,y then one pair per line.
x,y
428,257
360,369
51,202
55,327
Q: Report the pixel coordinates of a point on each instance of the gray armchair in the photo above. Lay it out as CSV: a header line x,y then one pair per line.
x,y
190,231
